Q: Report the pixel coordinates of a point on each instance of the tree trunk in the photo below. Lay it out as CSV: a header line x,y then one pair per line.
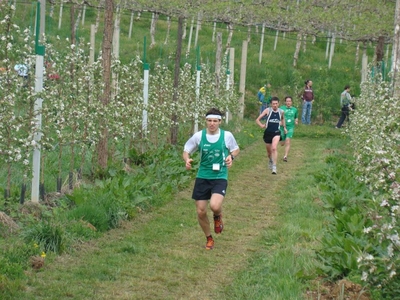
x,y
174,117
77,20
379,53
153,29
229,40
102,147
296,52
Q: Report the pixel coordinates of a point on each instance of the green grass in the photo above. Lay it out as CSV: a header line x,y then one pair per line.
x,y
267,251
285,260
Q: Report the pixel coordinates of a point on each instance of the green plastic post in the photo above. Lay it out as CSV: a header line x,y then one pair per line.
x,y
198,65
39,49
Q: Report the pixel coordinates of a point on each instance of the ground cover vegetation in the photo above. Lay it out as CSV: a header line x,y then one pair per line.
x,y
360,241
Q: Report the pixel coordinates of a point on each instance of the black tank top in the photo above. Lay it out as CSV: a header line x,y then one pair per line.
x,y
273,122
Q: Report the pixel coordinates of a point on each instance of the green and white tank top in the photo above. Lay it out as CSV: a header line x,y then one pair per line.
x,y
212,157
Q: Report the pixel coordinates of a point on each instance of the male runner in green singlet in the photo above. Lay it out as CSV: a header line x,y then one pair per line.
x,y
291,120
217,149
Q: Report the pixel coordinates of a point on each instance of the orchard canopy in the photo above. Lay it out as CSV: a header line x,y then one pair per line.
x,y
356,20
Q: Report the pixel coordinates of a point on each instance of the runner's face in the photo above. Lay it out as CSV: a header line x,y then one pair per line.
x,y
213,125
274,104
289,102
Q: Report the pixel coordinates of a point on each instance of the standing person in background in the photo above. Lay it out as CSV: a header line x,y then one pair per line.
x,y
291,119
308,100
274,116
264,97
345,102
217,149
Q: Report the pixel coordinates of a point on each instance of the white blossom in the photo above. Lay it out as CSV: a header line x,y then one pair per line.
x,y
364,276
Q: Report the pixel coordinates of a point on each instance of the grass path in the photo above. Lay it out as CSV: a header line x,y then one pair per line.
x,y
161,254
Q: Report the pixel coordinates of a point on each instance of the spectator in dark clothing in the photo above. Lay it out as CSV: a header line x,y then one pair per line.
x,y
308,100
345,102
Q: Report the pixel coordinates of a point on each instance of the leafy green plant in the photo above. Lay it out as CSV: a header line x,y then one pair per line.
x,y
80,230
345,238
48,234
103,213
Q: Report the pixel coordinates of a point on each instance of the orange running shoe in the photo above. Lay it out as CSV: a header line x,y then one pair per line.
x,y
210,243
218,224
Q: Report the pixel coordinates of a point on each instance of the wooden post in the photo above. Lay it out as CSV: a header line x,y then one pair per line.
x,y
327,47
232,65
242,83
130,26
261,43
92,43
218,63
213,35
60,15
190,37
332,50
42,19
396,53
198,26
357,52
83,14
364,67
276,39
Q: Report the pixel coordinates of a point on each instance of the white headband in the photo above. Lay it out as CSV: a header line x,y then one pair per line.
x,y
214,117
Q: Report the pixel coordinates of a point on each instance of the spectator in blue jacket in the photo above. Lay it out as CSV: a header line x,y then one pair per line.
x,y
264,97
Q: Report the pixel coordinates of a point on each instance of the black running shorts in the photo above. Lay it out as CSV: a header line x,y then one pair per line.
x,y
204,188
269,136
